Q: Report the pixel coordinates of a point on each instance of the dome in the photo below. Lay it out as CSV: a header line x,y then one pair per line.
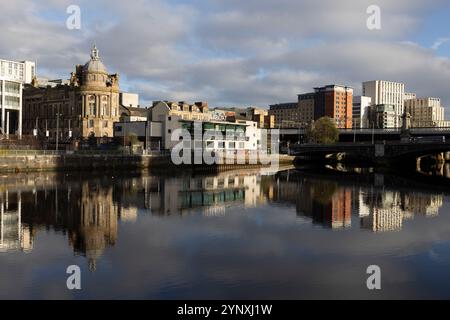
x,y
95,64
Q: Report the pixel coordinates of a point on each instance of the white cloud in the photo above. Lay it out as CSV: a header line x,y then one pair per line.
x,y
439,42
229,51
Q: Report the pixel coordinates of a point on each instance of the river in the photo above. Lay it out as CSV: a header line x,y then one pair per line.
x,y
249,234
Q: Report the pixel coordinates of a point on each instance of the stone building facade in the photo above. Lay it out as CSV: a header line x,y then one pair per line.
x,y
87,105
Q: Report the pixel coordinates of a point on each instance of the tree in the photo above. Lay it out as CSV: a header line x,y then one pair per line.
x,y
323,131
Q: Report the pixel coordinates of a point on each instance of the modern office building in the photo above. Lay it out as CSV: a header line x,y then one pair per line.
x,y
387,93
360,111
382,116
85,106
332,101
294,114
286,114
426,112
13,75
305,108
14,234
336,102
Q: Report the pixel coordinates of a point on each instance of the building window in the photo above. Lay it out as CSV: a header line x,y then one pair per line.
x,y
91,123
92,106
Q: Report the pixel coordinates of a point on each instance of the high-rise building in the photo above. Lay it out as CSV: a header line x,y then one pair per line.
x,y
360,111
387,93
426,112
294,114
85,106
13,75
336,102
331,101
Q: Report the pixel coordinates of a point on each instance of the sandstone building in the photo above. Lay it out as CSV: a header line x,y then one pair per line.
x,y
86,105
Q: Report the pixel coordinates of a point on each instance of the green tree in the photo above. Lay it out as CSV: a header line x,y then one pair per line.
x,y
323,131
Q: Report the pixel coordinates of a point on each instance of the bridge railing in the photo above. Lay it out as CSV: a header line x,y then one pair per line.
x,y
429,130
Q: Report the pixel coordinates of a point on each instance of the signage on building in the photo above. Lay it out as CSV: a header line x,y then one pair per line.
x,y
221,115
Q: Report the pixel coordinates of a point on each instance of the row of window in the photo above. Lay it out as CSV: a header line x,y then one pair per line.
x,y
104,124
12,101
213,145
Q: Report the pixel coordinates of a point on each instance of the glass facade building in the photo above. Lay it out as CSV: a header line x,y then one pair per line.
x,y
13,75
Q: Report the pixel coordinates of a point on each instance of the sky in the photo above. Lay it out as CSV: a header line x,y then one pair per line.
x,y
234,52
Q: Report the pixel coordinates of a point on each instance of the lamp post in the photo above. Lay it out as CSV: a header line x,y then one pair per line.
x,y
57,130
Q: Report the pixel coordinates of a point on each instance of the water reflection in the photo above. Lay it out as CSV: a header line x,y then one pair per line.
x,y
88,210
14,235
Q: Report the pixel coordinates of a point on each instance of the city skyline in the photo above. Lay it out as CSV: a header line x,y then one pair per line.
x,y
233,53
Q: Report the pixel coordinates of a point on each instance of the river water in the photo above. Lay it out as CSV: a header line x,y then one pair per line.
x,y
253,234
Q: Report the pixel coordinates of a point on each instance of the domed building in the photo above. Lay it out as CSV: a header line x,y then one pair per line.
x,y
99,97
84,106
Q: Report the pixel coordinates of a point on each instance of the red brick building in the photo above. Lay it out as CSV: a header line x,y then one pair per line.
x,y
336,102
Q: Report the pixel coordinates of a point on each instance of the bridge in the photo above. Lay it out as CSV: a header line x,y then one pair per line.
x,y
294,135
381,153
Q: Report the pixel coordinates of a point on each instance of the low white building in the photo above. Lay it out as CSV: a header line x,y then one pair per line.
x,y
192,120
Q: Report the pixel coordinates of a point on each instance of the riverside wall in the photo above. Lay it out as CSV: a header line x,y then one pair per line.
x,y
74,162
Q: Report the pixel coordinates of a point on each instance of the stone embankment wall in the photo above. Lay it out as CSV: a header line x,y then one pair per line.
x,y
30,163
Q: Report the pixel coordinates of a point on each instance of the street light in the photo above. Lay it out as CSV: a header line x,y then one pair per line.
x,y
57,130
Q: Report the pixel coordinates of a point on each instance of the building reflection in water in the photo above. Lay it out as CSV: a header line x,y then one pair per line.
x,y
14,235
332,203
82,210
208,195
87,211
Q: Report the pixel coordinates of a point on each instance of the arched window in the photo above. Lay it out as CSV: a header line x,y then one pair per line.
x,y
92,105
105,106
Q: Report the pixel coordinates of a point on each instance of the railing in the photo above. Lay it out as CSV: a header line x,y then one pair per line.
x,y
24,152
376,131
